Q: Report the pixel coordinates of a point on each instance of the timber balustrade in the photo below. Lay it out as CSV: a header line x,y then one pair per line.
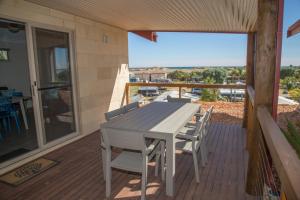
x,y
273,152
182,85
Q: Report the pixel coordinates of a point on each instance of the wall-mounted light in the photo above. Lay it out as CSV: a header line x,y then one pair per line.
x,y
105,39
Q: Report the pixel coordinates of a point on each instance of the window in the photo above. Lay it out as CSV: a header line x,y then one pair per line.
x,y
4,54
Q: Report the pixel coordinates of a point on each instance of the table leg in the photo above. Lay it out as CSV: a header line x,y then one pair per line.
x,y
24,113
170,166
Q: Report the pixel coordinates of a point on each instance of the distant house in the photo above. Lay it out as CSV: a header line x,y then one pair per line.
x,y
148,91
151,75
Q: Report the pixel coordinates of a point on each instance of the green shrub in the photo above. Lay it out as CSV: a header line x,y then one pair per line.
x,y
293,136
209,94
295,94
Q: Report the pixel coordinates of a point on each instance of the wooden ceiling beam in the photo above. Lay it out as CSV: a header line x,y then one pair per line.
x,y
149,35
294,29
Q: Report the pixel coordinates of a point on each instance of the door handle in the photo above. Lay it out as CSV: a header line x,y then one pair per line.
x,y
32,90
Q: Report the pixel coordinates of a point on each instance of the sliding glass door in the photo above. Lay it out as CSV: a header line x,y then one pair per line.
x,y
37,100
18,130
54,83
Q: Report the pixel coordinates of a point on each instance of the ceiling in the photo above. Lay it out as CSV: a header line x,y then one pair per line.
x,y
165,15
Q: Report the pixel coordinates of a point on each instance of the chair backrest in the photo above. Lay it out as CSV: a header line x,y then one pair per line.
x,y
8,93
131,106
114,113
182,100
5,104
201,124
124,140
210,111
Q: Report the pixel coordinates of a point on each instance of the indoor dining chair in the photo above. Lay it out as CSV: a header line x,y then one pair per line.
x,y
8,111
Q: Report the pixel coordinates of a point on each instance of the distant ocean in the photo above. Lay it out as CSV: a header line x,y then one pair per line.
x,y
181,67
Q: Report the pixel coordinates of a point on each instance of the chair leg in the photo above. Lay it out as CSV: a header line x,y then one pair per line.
x,y
108,173
203,157
103,152
196,166
162,154
17,122
157,158
144,177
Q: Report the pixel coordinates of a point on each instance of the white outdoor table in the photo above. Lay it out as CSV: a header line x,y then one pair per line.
x,y
161,120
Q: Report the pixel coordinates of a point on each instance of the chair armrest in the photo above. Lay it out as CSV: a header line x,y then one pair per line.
x,y
187,137
198,114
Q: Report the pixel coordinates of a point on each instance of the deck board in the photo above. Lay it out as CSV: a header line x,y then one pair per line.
x,y
79,174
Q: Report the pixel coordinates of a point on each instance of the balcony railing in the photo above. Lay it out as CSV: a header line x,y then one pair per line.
x,y
272,158
226,111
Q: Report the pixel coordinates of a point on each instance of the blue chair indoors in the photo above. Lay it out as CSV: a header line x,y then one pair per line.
x,y
11,93
8,111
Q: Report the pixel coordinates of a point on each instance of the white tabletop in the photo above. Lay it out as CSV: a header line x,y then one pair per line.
x,y
156,117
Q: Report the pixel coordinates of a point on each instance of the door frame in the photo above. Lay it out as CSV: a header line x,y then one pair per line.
x,y
33,78
73,82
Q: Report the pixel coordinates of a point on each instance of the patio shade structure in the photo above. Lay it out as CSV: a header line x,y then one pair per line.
x,y
165,15
294,29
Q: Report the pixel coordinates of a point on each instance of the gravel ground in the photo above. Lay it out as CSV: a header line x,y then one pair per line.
x,y
232,113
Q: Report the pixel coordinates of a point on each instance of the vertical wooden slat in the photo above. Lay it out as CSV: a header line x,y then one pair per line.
x,y
278,58
249,73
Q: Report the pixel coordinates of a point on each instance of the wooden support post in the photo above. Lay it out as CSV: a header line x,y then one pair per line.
x,y
249,73
127,93
179,92
264,75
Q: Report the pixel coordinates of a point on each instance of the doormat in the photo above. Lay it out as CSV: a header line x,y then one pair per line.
x,y
27,171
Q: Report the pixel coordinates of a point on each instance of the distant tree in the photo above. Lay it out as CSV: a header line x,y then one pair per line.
x,y
209,94
289,82
286,72
237,73
297,74
178,75
217,74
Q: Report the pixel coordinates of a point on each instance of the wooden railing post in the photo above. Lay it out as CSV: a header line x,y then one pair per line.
x,y
264,74
127,87
179,92
250,75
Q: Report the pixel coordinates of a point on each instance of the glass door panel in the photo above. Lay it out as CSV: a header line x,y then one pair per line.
x,y
18,134
54,83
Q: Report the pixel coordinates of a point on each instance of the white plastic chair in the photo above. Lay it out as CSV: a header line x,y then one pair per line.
x,y
134,161
191,139
114,113
109,116
182,100
131,106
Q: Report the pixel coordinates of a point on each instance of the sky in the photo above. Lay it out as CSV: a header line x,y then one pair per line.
x,y
203,49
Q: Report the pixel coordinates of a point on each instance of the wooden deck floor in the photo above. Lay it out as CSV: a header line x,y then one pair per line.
x,y
79,174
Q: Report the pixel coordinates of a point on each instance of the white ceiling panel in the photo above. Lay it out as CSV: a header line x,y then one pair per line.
x,y
165,15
